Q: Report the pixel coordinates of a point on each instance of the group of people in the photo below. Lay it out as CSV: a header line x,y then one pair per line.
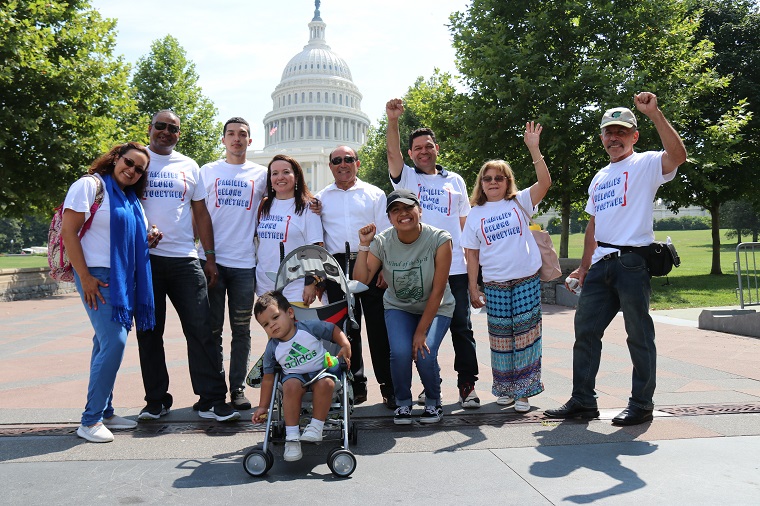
x,y
428,252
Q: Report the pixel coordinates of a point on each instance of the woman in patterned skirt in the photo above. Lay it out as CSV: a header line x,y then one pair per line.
x,y
496,237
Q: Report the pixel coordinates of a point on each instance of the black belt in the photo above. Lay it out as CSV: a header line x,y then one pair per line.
x,y
639,250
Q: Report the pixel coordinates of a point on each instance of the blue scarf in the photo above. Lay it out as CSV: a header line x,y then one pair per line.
x,y
131,283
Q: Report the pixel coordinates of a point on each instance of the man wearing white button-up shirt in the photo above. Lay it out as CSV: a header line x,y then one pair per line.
x,y
348,205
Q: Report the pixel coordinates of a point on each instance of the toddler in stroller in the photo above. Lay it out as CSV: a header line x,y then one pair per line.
x,y
298,349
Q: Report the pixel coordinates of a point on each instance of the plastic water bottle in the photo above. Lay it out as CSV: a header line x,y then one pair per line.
x,y
476,310
574,285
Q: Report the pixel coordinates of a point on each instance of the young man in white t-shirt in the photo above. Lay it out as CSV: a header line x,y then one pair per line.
x,y
445,204
174,199
234,187
613,270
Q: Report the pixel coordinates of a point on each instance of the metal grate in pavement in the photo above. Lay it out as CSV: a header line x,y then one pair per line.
x,y
147,429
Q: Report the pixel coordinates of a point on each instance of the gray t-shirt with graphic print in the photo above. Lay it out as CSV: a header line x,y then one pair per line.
x,y
409,269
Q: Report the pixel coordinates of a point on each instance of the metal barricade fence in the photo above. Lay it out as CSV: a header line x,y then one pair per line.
x,y
747,273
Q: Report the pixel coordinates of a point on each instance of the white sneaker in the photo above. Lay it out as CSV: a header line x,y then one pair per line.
x,y
117,422
292,451
505,400
422,398
311,434
522,405
98,433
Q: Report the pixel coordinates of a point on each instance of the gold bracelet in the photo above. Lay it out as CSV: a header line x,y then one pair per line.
x,y
542,157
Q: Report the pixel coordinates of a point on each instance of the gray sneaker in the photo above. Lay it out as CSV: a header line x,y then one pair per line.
x,y
239,401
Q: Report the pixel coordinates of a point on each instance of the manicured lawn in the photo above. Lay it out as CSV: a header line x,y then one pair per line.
x,y
21,261
689,285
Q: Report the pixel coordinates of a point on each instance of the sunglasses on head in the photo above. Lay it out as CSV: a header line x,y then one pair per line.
x,y
139,169
498,179
348,159
163,125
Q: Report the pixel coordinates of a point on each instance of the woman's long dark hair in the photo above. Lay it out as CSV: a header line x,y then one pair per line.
x,y
301,192
106,164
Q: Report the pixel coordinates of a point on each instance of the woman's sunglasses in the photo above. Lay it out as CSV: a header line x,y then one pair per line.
x,y
498,179
139,169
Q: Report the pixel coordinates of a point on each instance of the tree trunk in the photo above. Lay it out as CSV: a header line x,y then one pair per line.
x,y
715,218
565,217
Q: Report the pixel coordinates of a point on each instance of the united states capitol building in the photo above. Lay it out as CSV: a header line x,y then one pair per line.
x,y
315,108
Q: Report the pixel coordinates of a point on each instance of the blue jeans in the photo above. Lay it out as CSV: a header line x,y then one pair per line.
x,y
183,281
465,357
401,327
238,286
613,284
108,345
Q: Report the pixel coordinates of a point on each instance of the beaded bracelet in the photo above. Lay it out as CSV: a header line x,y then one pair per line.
x,y
538,160
210,252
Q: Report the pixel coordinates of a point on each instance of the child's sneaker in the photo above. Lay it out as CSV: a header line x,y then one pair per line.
x,y
403,415
292,451
432,414
311,434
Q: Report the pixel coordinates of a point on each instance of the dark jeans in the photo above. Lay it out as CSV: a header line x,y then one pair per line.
x,y
237,285
465,358
613,284
183,281
370,305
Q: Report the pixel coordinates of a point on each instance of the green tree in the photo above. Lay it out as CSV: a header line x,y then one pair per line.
x,y
720,130
166,79
63,99
741,218
562,63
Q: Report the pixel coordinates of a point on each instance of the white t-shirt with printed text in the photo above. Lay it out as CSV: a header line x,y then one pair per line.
x,y
443,200
621,197
501,233
174,181
282,224
234,192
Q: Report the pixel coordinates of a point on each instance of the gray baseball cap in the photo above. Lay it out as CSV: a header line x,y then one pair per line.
x,y
619,116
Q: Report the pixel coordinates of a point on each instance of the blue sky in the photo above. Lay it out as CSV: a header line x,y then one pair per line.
x,y
240,47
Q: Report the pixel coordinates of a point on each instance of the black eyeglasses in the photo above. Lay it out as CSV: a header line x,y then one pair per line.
x,y
498,179
163,125
348,159
139,169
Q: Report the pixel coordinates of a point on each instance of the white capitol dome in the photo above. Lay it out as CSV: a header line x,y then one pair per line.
x,y
315,108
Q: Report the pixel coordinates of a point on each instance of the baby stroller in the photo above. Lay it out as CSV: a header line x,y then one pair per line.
x,y
312,260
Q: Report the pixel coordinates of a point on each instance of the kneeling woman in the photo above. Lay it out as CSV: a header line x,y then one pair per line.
x,y
415,259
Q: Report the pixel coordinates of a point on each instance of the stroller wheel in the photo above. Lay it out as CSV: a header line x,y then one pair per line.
x,y
353,433
342,463
257,462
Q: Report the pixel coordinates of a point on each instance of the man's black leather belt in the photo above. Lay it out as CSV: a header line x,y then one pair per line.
x,y
640,250
342,256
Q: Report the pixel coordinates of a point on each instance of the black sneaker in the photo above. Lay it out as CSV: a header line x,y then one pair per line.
x,y
239,401
432,414
153,411
403,415
360,396
222,412
389,401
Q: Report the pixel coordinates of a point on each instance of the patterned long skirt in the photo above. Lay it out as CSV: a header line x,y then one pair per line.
x,y
514,331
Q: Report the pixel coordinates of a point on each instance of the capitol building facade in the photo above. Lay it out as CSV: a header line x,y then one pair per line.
x,y
315,108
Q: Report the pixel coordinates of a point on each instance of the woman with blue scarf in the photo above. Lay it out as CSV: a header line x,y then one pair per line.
x,y
107,245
